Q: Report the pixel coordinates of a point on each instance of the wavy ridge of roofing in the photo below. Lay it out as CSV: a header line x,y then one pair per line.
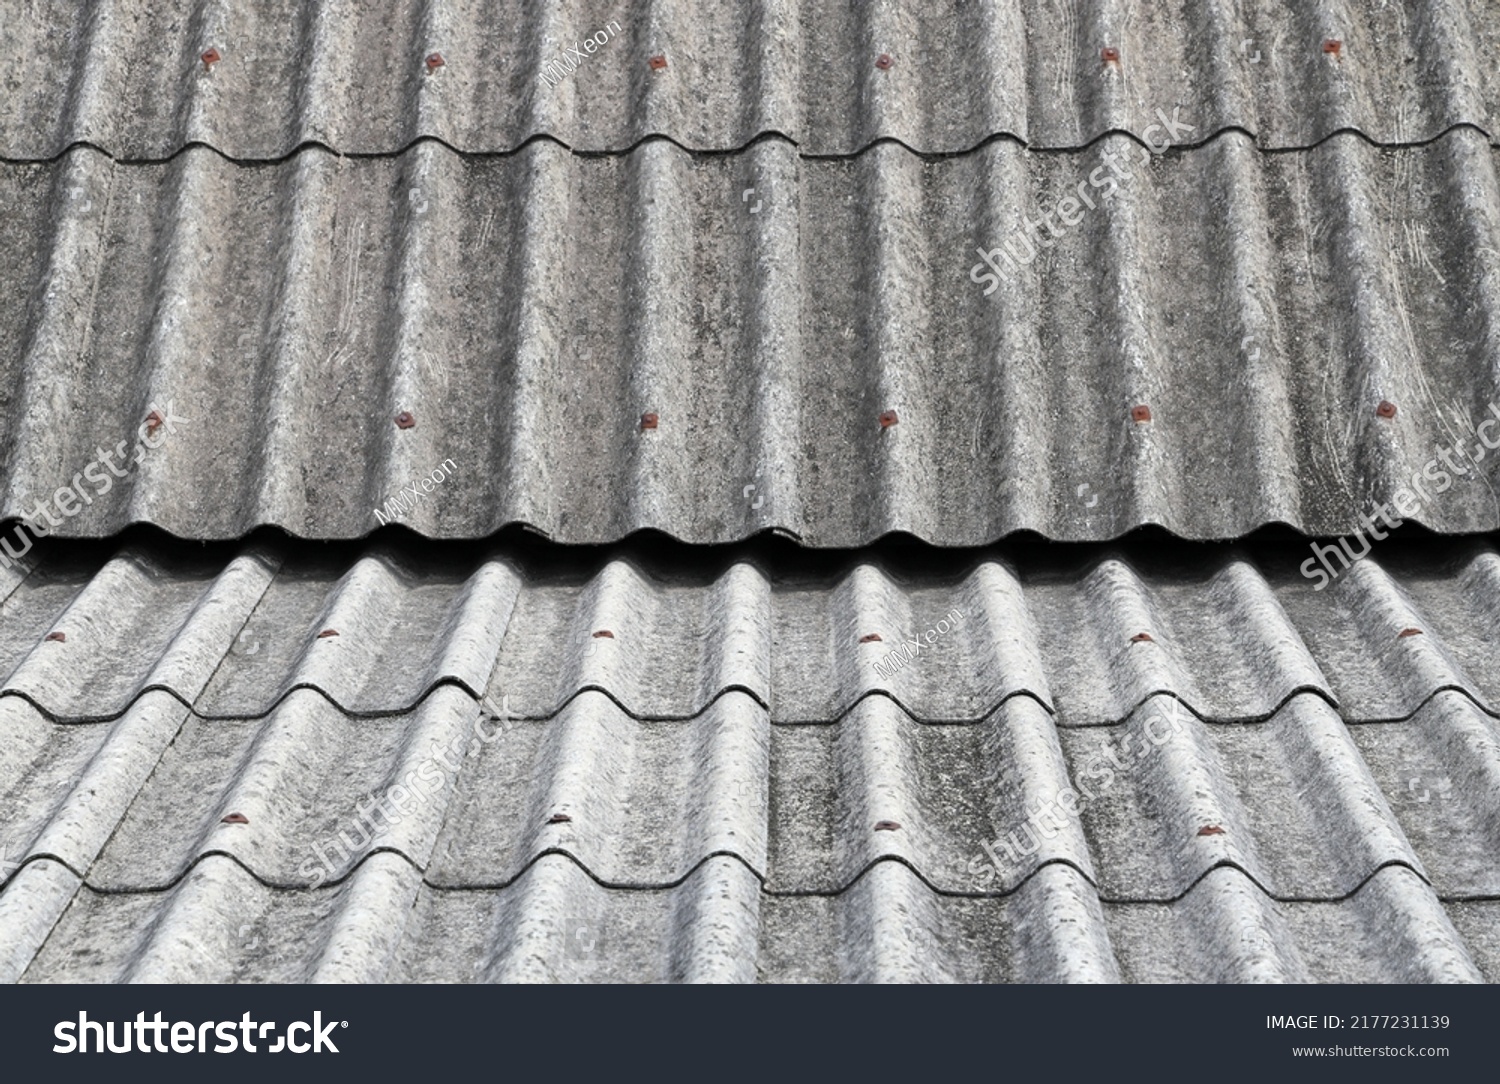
x,y
1232,633
1303,804
557,924
823,361
354,77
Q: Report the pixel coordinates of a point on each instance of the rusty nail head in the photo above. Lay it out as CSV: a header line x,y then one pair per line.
x,y
434,62
884,61
1142,638
887,826
1109,54
658,62
235,818
870,638
649,420
1139,414
559,818
210,57
1210,830
57,637
153,422
888,418
1333,47
405,420
1409,632
604,634
1386,409
326,633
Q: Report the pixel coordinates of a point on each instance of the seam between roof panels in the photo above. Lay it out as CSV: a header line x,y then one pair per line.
x,y
766,136
842,712
615,886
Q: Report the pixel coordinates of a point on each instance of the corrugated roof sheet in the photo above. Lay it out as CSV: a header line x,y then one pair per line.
x,y
529,311
556,923
128,77
1234,632
720,281
746,841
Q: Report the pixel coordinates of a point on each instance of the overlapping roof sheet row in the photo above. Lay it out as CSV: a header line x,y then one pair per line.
x,y
717,346
1233,635
258,80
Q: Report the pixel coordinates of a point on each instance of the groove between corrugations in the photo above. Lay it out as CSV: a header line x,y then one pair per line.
x,y
769,344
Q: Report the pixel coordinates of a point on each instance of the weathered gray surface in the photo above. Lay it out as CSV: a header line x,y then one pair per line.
x,y
555,924
126,76
529,310
1297,842
1235,632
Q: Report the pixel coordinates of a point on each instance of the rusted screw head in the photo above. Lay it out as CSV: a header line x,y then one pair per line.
x,y
1333,47
405,420
604,634
1210,830
235,818
887,826
1140,414
153,422
1386,409
1109,54
658,62
1142,638
210,57
888,418
649,420
434,61
884,61
326,633
1408,632
559,818
870,638
57,638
